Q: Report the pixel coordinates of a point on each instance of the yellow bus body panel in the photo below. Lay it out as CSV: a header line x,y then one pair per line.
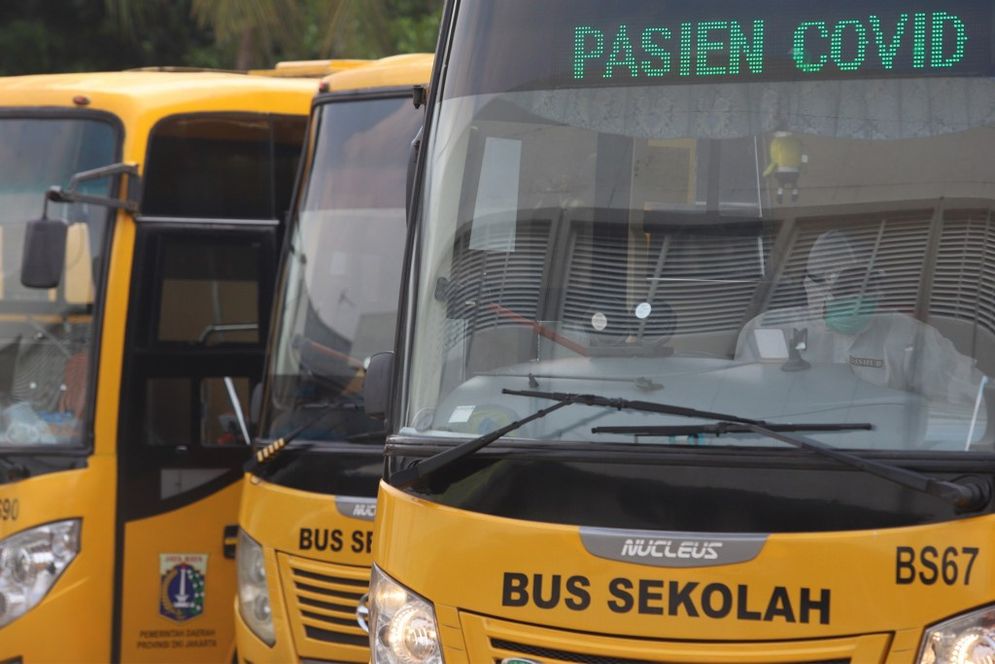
x,y
274,516
308,68
74,621
459,560
396,71
64,625
336,547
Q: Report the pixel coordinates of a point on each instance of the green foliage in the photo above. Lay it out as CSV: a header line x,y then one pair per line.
x,y
374,28
38,36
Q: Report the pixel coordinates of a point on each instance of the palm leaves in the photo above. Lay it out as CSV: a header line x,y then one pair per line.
x,y
256,25
258,30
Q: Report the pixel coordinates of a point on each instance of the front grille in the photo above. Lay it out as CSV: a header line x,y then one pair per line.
x,y
323,597
581,658
329,636
494,640
560,655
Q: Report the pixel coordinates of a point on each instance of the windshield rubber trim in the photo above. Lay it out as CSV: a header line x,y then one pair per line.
x,y
417,447
365,94
404,332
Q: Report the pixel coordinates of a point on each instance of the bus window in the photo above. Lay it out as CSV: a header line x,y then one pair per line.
x,y
217,166
344,266
219,426
167,412
199,311
44,368
209,293
172,404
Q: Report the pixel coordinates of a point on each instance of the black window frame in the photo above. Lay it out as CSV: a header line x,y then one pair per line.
x,y
277,215
145,358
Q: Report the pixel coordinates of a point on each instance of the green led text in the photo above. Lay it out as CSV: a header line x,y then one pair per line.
x,y
708,48
851,44
724,48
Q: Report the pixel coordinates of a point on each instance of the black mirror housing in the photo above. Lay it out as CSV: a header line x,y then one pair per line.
x,y
44,257
376,386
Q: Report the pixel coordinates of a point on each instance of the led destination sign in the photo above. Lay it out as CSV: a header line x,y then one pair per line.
x,y
517,45
909,42
937,41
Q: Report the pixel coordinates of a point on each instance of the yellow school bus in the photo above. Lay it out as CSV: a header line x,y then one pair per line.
x,y
308,503
695,358
139,225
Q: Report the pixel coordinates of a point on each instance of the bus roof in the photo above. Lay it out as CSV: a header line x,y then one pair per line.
x,y
308,68
149,95
394,71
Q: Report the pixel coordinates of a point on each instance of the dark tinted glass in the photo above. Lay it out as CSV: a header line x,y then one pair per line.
x,y
209,293
222,167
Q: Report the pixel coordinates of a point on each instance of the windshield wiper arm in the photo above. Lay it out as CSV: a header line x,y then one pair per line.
x,y
627,404
721,428
967,497
408,476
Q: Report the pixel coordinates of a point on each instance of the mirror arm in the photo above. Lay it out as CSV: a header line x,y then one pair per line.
x,y
71,193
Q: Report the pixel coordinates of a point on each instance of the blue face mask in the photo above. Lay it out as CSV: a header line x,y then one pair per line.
x,y
850,315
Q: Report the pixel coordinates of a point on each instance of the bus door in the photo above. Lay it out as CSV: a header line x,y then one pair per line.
x,y
200,298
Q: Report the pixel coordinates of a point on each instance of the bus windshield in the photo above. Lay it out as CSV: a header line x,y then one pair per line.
x,y
338,301
782,212
47,336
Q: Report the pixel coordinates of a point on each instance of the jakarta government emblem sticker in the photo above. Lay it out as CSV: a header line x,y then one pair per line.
x,y
181,585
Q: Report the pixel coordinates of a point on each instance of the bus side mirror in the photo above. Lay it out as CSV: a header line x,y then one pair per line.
x,y
44,256
376,386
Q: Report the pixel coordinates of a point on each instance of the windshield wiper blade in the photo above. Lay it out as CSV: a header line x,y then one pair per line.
x,y
721,428
408,476
627,404
966,497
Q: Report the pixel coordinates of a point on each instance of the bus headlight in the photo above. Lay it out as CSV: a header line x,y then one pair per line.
x,y
31,562
402,624
967,639
253,593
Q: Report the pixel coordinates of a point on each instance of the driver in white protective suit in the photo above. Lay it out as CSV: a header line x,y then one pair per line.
x,y
841,324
